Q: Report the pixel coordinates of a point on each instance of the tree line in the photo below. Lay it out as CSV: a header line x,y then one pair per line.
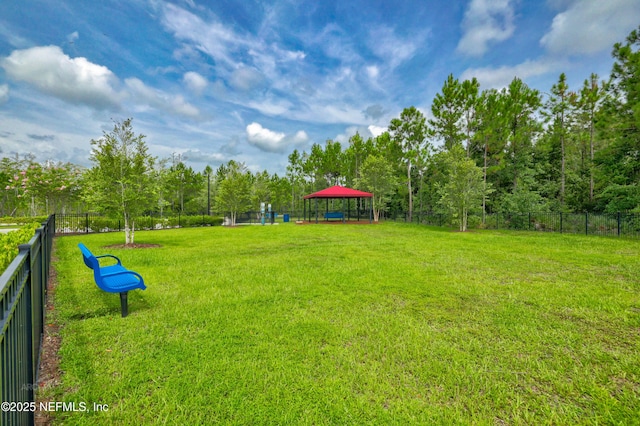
x,y
516,149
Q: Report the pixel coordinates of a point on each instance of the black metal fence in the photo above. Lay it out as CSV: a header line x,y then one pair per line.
x,y
93,222
75,223
621,224
23,287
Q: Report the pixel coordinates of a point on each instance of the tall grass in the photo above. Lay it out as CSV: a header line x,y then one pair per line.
x,y
376,324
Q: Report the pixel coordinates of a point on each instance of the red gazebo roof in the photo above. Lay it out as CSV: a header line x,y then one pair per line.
x,y
339,192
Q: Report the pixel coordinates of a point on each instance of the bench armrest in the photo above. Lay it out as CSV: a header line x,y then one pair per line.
x,y
110,255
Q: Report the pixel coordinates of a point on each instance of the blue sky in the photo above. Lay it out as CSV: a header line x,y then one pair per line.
x,y
251,81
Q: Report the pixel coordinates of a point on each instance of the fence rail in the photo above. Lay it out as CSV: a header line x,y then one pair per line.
x,y
23,287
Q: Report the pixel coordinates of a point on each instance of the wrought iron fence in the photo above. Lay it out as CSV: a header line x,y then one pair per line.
x,y
84,223
75,223
615,224
621,224
23,287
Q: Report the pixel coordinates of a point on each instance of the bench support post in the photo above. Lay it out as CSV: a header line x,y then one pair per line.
x,y
124,308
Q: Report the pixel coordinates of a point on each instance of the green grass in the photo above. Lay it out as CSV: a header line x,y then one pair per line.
x,y
375,324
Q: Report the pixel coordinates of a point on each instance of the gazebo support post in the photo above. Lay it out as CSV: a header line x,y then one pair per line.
x,y
327,207
343,219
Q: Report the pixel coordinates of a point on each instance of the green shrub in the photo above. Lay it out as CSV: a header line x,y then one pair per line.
x,y
9,243
22,220
197,220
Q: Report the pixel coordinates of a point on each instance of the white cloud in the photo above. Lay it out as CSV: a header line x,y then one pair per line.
x,y
365,133
590,26
146,95
491,77
394,50
71,38
485,21
4,93
270,141
246,79
75,80
376,130
199,156
195,82
270,107
212,38
373,72
327,112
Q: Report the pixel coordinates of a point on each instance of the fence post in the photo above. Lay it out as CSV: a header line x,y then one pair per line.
x,y
86,223
586,223
618,224
529,221
561,222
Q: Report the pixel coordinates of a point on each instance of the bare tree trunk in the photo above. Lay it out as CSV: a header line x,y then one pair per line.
x,y
563,160
463,220
410,192
484,178
591,184
126,228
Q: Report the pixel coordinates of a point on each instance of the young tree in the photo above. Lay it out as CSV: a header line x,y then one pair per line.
x,y
589,103
260,190
295,175
560,114
447,109
490,137
464,188
454,112
121,183
409,132
183,186
234,191
377,177
521,104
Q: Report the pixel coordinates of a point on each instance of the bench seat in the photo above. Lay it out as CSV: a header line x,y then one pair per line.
x,y
334,215
112,278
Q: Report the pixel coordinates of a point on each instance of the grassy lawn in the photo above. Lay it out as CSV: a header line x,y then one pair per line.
x,y
375,324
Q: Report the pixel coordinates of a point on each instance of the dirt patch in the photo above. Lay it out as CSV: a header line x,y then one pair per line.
x,y
132,246
49,373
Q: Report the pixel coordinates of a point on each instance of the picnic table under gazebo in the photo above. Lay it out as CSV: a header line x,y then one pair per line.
x,y
337,192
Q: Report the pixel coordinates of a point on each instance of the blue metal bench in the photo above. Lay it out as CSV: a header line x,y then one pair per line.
x,y
112,278
334,215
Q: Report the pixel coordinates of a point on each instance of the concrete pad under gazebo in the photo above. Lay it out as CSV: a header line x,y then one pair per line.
x,y
337,192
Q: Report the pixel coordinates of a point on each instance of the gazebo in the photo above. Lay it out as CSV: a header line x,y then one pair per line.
x,y
338,192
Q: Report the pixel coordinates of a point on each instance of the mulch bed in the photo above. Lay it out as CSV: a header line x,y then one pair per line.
x,y
132,246
49,373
